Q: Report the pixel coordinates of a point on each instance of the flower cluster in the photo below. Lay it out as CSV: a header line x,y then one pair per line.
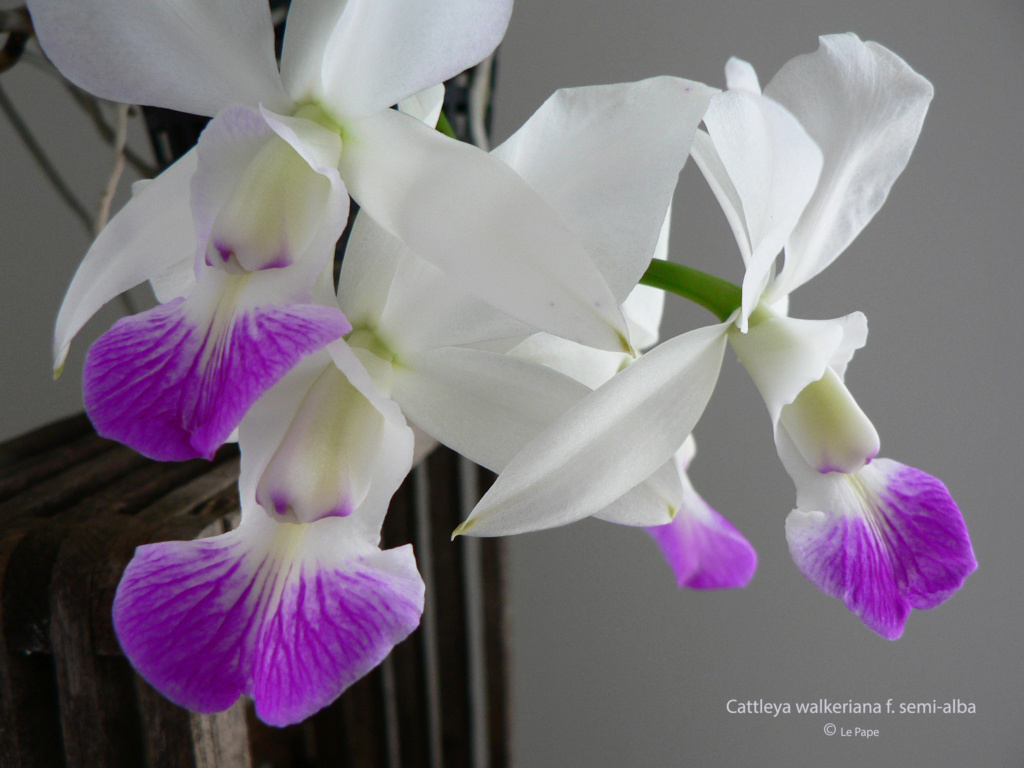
x,y
494,300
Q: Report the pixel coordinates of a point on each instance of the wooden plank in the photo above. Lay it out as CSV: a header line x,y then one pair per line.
x,y
72,484
31,470
408,659
220,740
450,609
29,731
167,729
52,435
98,711
496,651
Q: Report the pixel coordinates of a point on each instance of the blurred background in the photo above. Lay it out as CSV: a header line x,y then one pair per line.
x,y
613,665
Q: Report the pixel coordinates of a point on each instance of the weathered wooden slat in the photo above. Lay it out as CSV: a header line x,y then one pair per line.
x,y
72,484
29,723
496,652
94,698
17,476
220,740
52,435
450,608
166,728
409,681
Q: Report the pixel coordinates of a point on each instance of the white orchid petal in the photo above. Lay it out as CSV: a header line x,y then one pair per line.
x,y
408,303
643,309
189,55
267,192
653,502
705,155
485,405
740,76
587,365
366,450
426,310
864,106
471,215
773,166
361,56
610,442
644,306
426,105
606,159
148,238
784,354
367,271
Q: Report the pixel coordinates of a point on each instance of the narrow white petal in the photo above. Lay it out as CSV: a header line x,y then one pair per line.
x,y
606,159
610,442
773,167
361,56
705,155
471,215
367,271
189,55
149,237
426,310
644,306
864,106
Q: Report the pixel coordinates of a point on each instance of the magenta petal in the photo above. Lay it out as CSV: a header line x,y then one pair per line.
x,y
331,628
703,549
173,387
891,540
284,620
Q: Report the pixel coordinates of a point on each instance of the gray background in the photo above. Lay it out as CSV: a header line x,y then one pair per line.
x,y
613,665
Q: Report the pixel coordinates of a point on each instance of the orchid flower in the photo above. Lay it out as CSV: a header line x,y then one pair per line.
x,y
298,602
287,611
803,166
257,207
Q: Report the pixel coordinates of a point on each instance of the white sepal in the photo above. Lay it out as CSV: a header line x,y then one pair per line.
x,y
608,443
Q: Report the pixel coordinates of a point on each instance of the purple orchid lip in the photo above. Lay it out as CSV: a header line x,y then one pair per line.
x,y
173,387
279,612
892,540
703,549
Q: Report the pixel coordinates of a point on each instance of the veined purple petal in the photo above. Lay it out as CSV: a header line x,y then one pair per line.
x,y
885,539
174,382
703,549
289,614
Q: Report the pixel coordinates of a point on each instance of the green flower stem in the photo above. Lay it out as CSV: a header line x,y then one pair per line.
x,y
720,297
